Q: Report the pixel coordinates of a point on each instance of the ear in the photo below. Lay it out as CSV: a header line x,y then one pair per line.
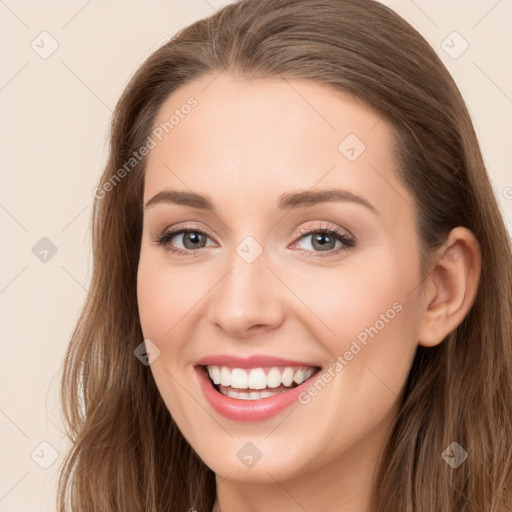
x,y
451,286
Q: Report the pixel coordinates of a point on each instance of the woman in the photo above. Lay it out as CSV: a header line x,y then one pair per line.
x,y
302,287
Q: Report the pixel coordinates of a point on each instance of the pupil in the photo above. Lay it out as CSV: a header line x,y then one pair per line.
x,y
317,239
194,238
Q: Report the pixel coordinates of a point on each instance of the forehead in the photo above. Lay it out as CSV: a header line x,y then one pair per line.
x,y
271,112
252,136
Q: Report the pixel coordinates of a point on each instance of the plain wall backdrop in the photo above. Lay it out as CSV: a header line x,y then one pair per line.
x,y
64,65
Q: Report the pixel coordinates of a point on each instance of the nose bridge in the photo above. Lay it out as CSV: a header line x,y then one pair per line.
x,y
247,295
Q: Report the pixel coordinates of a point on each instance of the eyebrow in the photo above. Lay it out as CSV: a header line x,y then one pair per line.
x,y
287,201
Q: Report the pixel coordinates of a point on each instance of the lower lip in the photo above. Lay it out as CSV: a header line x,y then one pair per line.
x,y
247,410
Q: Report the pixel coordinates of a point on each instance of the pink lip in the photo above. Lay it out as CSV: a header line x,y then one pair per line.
x,y
256,361
248,410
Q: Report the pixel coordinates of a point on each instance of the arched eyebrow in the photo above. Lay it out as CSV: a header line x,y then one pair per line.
x,y
191,199
306,198
287,201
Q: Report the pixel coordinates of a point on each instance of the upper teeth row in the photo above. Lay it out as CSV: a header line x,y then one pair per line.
x,y
256,378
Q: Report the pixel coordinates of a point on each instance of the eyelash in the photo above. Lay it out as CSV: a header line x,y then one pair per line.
x,y
348,242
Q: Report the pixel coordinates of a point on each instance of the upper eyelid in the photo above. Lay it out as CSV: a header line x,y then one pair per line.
x,y
302,231
325,227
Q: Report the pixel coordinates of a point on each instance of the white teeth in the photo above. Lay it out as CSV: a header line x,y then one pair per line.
x,y
258,378
299,376
274,378
287,376
232,393
225,376
239,378
244,395
214,374
302,374
308,374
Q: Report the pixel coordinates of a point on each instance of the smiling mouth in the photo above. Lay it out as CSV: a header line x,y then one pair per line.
x,y
257,383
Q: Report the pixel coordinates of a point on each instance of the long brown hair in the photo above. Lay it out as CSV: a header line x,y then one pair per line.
x,y
127,453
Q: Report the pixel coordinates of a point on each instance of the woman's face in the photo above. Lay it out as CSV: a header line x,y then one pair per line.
x,y
258,292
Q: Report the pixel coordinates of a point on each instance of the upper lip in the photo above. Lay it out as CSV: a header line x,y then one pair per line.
x,y
254,361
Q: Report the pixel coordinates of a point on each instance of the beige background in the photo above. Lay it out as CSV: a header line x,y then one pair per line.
x,y
54,117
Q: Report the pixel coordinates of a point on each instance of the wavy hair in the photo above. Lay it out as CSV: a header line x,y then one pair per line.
x,y
127,454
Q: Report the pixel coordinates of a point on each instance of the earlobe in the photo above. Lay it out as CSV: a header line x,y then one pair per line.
x,y
451,287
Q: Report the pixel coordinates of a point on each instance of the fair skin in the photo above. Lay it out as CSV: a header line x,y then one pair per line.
x,y
245,144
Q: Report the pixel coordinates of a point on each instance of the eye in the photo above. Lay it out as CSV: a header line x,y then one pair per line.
x,y
191,240
187,241
324,239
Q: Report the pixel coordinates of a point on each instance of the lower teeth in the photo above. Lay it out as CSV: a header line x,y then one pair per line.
x,y
252,394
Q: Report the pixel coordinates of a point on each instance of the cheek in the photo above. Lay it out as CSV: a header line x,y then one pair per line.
x,y
165,296
375,322
358,303
155,302
369,324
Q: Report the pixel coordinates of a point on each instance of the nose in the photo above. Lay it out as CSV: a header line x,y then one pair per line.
x,y
247,299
